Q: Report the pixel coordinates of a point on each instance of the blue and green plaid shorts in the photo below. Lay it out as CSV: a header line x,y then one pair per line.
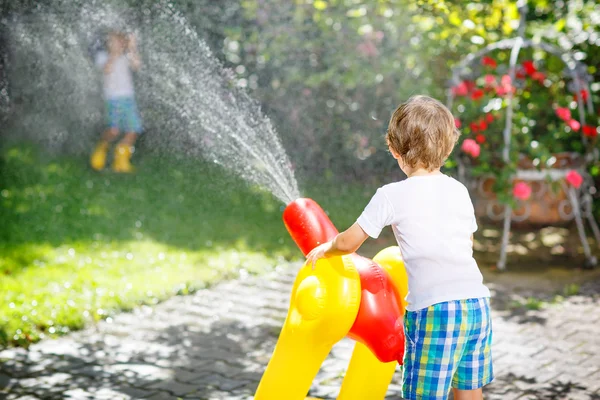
x,y
447,345
123,114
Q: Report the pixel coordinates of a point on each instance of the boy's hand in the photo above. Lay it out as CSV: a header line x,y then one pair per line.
x,y
318,253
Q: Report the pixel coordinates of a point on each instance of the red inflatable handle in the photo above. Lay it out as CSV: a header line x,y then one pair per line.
x,y
308,224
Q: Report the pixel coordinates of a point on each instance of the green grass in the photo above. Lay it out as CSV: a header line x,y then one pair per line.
x,y
77,246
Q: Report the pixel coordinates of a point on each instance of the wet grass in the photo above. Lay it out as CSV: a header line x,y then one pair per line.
x,y
77,246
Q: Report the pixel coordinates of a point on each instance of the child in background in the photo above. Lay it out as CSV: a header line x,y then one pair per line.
x,y
447,324
122,114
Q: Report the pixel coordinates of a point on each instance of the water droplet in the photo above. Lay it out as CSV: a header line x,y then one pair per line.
x,y
129,256
71,252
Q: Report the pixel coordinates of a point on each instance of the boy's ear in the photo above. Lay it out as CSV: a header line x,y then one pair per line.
x,y
394,154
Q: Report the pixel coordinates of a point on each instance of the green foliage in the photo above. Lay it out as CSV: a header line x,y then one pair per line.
x,y
77,246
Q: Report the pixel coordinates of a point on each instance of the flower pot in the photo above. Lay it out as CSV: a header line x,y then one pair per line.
x,y
548,204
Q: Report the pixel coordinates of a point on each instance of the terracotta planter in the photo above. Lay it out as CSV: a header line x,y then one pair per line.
x,y
548,204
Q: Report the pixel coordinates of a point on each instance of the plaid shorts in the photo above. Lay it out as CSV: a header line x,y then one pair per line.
x,y
123,114
447,345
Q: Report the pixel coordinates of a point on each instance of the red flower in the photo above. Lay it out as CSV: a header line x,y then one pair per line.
x,y
574,124
470,85
461,89
538,76
529,67
483,125
490,80
574,179
522,191
488,62
590,131
457,123
520,73
489,118
471,147
480,138
584,95
474,127
563,113
477,94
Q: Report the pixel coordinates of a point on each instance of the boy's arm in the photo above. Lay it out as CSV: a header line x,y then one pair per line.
x,y
344,243
132,54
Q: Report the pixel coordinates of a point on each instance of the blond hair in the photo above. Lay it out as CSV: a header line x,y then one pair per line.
x,y
423,132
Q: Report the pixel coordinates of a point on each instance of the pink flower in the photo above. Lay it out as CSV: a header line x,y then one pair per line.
x,y
574,179
457,123
590,131
471,147
521,191
505,86
574,124
490,80
563,113
461,89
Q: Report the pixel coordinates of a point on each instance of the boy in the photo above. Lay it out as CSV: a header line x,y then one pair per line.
x,y
122,57
447,323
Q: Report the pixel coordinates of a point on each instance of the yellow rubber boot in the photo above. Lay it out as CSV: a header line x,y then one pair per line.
x,y
98,158
121,162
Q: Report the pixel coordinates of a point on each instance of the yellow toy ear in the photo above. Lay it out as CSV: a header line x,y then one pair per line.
x,y
391,260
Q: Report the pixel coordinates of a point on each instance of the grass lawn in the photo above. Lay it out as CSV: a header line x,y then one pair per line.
x,y
77,246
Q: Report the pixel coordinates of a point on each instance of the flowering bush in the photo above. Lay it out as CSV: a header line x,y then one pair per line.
x,y
545,121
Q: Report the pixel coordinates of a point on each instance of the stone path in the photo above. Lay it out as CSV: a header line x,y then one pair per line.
x,y
215,344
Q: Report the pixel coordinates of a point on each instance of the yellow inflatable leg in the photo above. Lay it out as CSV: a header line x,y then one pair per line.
x,y
367,377
323,307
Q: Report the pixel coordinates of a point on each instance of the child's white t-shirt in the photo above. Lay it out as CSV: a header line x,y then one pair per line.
x,y
433,219
119,82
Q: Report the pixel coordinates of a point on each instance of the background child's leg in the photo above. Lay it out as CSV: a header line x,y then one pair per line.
x,y
476,394
98,158
110,134
131,123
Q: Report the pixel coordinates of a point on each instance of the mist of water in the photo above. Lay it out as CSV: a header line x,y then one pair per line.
x,y
187,99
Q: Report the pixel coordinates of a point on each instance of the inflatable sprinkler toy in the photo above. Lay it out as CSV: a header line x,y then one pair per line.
x,y
344,296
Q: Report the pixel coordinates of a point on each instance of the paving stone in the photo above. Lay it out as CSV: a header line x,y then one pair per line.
x,y
177,388
161,396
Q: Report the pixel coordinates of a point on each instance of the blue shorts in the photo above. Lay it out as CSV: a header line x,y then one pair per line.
x,y
123,114
447,345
